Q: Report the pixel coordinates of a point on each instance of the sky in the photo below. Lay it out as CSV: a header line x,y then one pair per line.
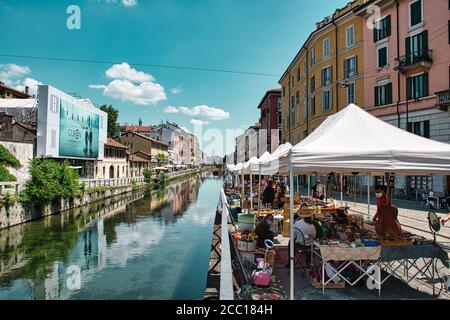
x,y
130,37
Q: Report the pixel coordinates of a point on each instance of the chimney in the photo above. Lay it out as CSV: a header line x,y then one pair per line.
x,y
27,90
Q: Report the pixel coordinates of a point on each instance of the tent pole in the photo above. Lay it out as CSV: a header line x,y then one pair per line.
x,y
251,191
291,229
368,194
309,186
342,191
242,189
259,190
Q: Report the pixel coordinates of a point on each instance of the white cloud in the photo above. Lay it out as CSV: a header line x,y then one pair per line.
x,y
177,90
198,122
205,112
97,86
142,94
171,109
131,85
124,71
10,73
32,84
125,3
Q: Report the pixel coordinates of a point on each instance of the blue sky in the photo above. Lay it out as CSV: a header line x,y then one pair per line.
x,y
259,36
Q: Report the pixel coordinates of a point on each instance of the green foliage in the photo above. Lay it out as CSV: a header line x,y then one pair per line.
x,y
162,159
148,175
5,175
134,187
113,115
9,199
50,181
7,159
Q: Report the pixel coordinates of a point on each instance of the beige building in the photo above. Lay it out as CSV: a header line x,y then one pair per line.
x,y
140,145
115,164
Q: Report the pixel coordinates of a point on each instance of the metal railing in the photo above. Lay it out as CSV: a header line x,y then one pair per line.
x,y
117,182
226,271
11,187
443,98
415,57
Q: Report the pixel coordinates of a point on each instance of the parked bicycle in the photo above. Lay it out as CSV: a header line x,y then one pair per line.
x,y
406,194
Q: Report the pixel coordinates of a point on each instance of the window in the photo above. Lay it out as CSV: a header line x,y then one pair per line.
x,y
382,29
327,100
350,67
298,74
305,108
415,13
312,84
284,91
305,68
383,94
417,47
292,102
350,36
297,98
326,47
312,58
417,86
351,93
382,53
312,105
421,128
326,76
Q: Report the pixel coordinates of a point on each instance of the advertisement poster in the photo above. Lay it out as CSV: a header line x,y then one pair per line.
x,y
79,130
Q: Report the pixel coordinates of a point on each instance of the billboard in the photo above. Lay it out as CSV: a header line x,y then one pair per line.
x,y
69,127
78,131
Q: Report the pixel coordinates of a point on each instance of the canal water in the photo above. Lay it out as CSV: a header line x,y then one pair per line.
x,y
149,245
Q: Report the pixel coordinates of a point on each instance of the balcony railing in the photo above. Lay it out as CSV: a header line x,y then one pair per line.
x,y
443,100
414,58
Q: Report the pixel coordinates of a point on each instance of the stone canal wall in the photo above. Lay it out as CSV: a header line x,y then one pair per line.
x,y
16,213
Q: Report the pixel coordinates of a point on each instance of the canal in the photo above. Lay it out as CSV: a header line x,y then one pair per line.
x,y
148,245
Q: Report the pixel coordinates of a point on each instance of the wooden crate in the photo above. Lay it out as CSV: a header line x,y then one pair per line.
x,y
316,284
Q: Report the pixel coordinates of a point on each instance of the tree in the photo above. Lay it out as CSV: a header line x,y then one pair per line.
x,y
162,159
113,115
7,160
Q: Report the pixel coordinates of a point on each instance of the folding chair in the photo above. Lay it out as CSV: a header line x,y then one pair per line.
x,y
301,250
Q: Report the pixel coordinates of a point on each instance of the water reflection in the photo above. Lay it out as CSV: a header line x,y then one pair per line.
x,y
108,249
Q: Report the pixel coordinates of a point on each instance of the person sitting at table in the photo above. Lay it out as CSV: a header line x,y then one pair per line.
x,y
263,231
380,193
306,227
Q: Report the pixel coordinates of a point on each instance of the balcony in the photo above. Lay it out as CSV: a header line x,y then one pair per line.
x,y
416,60
443,100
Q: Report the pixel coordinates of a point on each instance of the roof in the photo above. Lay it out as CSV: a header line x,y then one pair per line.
x,y
143,152
115,144
139,128
18,103
134,158
273,91
144,137
14,91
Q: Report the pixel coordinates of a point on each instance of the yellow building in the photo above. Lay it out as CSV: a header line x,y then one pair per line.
x,y
325,75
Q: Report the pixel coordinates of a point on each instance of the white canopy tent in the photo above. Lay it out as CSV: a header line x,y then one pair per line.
x,y
278,162
355,141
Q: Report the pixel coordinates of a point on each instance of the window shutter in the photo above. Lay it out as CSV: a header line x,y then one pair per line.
x,y
388,26
425,84
409,127
425,41
408,46
377,102
389,93
408,88
356,65
346,69
426,129
375,32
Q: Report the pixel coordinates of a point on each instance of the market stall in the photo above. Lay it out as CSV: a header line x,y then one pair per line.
x,y
353,141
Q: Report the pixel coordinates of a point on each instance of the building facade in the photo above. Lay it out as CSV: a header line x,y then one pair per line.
x,y
270,120
325,76
142,145
407,71
115,163
7,92
247,144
